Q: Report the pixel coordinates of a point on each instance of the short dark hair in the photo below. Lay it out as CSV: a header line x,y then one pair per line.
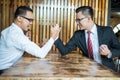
x,y
21,10
86,10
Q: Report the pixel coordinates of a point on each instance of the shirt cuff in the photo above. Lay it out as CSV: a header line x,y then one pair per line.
x,y
51,40
56,38
109,55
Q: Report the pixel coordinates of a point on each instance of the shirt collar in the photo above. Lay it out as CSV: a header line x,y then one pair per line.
x,y
93,30
17,27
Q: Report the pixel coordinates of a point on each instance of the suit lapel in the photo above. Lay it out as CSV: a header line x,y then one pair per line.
x,y
100,32
83,40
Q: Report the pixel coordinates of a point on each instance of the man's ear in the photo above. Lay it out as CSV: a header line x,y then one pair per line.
x,y
19,18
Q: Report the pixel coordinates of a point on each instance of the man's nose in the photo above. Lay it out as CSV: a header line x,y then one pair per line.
x,y
31,22
77,23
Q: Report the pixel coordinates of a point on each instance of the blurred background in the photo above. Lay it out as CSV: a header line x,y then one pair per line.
x,y
50,12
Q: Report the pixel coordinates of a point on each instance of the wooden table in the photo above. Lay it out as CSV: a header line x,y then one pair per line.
x,y
70,67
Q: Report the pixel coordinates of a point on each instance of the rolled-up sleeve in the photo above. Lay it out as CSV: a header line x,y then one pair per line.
x,y
24,44
35,50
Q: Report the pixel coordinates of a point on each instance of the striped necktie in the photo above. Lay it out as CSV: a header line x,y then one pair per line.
x,y
90,50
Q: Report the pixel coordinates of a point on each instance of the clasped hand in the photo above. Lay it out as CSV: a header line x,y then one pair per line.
x,y
55,31
104,50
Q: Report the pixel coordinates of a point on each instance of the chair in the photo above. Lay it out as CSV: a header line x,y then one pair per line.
x,y
117,63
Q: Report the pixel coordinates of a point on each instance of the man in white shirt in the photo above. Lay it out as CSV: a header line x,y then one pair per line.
x,y
13,41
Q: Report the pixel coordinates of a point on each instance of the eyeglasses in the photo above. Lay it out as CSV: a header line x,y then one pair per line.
x,y
78,20
29,19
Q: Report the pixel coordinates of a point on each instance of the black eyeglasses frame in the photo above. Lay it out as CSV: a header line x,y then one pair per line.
x,y
29,19
78,20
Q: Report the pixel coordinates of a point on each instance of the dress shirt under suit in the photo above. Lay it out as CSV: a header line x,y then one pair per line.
x,y
105,36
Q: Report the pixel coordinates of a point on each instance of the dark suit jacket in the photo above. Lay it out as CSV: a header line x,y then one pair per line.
x,y
105,36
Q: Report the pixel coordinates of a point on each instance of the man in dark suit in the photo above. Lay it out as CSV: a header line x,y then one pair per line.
x,y
105,45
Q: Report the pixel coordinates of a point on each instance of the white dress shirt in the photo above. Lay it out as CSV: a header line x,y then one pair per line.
x,y
95,43
13,43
